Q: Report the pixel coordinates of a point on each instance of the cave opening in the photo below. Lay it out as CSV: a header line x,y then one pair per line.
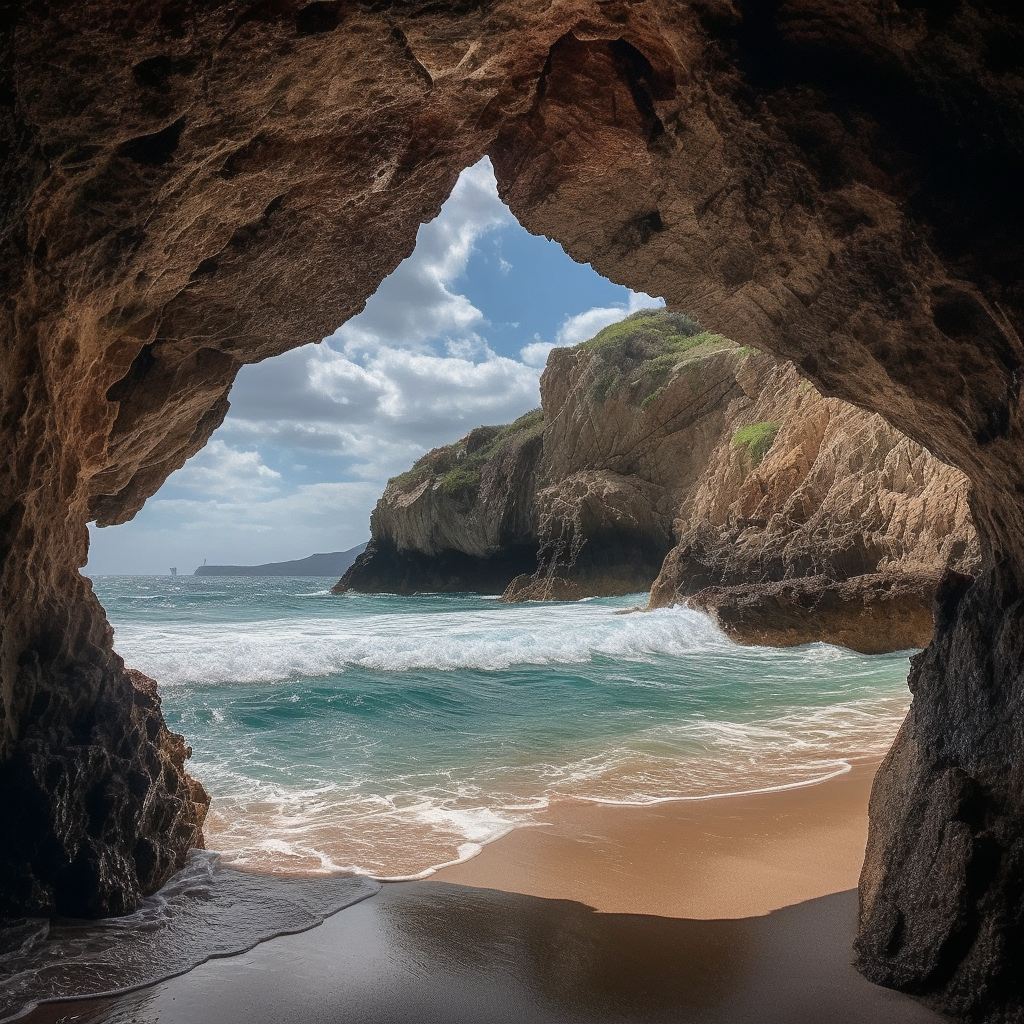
x,y
455,338
693,430
835,187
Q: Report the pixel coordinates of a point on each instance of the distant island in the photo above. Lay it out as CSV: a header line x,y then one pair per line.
x,y
331,563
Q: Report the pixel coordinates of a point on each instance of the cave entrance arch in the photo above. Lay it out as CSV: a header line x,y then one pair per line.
x,y
686,418
454,339
838,187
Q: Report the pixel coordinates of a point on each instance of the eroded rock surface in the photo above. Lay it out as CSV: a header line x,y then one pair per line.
x,y
840,530
678,455
188,187
630,417
446,527
873,613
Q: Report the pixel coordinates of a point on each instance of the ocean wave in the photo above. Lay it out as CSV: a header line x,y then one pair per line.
x,y
386,736
277,650
401,827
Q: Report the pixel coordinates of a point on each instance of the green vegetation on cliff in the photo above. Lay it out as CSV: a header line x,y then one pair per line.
x,y
459,465
756,438
460,481
530,424
646,349
642,352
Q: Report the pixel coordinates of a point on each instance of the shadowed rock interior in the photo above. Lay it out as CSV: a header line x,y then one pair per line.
x,y
190,187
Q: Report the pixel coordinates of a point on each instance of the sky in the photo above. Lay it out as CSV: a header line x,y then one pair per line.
x,y
456,337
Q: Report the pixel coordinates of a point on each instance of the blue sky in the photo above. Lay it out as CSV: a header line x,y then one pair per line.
x,y
456,337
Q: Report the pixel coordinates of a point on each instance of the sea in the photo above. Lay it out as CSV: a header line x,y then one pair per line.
x,y
350,740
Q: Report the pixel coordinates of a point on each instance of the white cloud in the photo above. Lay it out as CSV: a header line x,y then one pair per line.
x,y
416,304
221,469
329,500
536,353
424,392
389,407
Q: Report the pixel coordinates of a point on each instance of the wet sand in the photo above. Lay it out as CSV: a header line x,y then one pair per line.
x,y
739,909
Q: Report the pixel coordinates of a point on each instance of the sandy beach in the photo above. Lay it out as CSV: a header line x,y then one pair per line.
x,y
725,857
727,910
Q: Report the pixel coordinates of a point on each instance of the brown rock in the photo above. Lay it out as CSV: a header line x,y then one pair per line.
x,y
755,476
838,498
188,188
544,588
874,613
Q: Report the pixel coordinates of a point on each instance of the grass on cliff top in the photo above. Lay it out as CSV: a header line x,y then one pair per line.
x,y
643,335
647,348
460,482
530,424
757,439
459,465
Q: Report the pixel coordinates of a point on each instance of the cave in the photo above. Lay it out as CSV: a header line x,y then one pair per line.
x,y
834,183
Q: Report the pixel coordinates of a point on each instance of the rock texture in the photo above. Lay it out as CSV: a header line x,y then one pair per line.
x,y
188,187
630,417
97,803
873,613
788,516
459,520
839,531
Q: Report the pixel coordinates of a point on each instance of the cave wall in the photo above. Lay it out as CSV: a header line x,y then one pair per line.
x,y
188,187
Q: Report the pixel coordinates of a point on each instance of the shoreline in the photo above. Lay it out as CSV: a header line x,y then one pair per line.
x,y
729,856
729,910
553,808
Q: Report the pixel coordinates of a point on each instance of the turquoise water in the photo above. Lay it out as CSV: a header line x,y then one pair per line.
x,y
390,735
349,737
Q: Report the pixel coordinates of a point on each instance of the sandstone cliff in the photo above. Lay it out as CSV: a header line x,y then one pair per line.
x,y
459,520
815,520
191,187
666,454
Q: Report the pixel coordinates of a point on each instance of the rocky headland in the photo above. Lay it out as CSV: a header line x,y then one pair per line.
x,y
667,458
459,520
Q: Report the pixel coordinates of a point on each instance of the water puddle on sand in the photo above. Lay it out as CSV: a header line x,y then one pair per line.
x,y
205,911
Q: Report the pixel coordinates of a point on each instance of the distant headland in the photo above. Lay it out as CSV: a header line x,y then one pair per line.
x,y
331,563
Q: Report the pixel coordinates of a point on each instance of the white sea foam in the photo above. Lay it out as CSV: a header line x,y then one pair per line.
x,y
446,816
272,650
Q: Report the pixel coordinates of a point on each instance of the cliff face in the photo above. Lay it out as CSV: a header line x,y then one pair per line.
x,y
674,457
580,491
815,520
459,520
631,416
189,187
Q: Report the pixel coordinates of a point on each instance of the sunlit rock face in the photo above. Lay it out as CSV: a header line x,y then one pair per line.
x,y
189,187
709,474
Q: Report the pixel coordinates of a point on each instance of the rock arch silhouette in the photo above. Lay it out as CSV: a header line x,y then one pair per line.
x,y
191,187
